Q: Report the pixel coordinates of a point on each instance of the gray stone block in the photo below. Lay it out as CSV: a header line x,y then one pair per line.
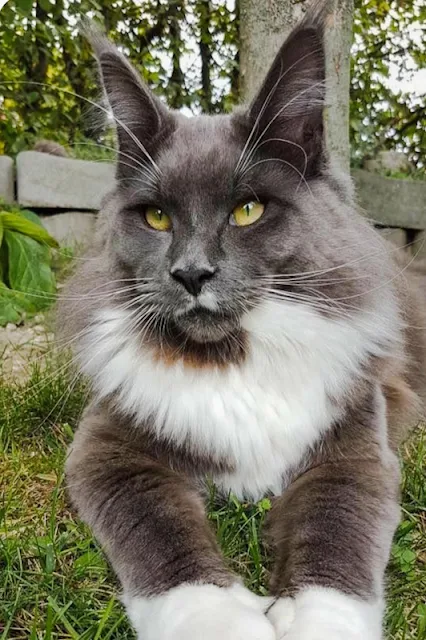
x,y
7,179
71,228
390,202
50,181
398,237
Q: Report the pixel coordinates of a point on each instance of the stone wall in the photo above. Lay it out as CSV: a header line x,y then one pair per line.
x,y
68,192
65,192
53,182
7,179
398,206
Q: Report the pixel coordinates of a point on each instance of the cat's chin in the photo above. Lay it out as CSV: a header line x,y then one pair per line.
x,y
205,326
204,339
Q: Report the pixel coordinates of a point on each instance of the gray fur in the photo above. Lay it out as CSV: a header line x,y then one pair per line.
x,y
334,524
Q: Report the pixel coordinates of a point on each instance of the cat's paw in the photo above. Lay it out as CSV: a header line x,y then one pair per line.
x,y
326,614
201,612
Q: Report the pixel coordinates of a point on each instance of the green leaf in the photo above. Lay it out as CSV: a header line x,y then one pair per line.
x,y
46,5
9,311
12,305
15,222
3,263
265,504
32,96
1,233
24,6
408,556
89,559
30,215
29,267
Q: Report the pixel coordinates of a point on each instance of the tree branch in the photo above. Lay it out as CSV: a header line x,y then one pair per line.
x,y
177,80
417,115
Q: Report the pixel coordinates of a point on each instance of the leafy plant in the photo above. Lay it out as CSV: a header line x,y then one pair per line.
x,y
185,49
27,282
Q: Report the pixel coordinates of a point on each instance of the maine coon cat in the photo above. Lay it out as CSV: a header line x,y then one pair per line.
x,y
240,320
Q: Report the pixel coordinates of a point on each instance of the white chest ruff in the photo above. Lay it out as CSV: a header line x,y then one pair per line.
x,y
261,416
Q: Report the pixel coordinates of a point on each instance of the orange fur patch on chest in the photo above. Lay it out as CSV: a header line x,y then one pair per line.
x,y
232,350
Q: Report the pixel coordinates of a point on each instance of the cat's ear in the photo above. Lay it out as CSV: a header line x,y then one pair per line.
x,y
141,119
289,105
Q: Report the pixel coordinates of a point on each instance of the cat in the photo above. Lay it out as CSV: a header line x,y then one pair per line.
x,y
240,320
51,147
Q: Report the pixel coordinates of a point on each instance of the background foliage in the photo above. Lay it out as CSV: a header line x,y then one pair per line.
x,y
185,49
188,51
389,44
27,282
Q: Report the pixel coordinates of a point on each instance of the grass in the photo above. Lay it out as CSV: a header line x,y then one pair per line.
x,y
54,581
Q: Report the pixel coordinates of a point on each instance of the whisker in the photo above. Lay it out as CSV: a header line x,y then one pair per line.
x,y
66,343
109,148
84,296
290,142
384,250
384,284
300,174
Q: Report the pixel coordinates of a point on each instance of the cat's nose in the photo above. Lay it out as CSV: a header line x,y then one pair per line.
x,y
192,279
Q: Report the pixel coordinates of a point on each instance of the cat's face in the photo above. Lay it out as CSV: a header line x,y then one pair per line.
x,y
215,214
202,232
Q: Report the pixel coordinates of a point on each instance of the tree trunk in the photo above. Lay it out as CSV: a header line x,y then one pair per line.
x,y
264,27
203,11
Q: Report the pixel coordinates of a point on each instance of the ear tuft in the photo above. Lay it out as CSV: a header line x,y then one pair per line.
x,y
317,15
96,37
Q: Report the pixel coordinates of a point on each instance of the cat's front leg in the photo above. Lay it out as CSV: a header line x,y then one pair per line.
x,y
332,530
151,523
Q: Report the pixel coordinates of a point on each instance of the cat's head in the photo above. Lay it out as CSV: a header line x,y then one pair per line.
x,y
215,214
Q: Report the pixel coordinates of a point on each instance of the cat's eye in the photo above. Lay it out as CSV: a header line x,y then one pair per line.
x,y
157,219
247,213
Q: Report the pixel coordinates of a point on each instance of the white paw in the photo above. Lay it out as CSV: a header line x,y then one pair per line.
x,y
326,614
282,615
201,612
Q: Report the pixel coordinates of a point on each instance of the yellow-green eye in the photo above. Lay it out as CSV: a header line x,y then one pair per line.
x,y
247,213
157,219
